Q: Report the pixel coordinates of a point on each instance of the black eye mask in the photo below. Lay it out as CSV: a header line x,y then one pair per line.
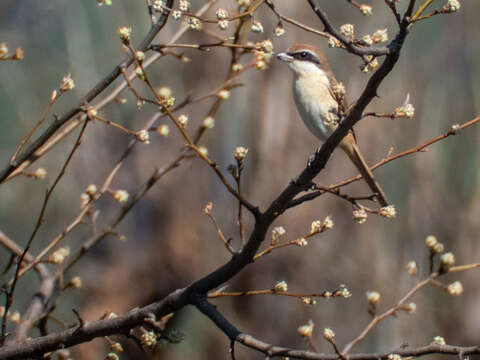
x,y
304,56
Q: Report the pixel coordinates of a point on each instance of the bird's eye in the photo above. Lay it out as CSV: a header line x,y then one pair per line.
x,y
304,54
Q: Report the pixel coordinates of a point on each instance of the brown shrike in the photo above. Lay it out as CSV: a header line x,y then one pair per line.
x,y
313,91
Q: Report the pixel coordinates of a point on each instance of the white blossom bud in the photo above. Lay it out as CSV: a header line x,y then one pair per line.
x,y
438,340
240,153
328,334
431,241
280,286
455,288
148,339
306,330
40,173
381,35
208,122
257,26
360,215
388,211
67,83
366,9
121,196
143,136
277,232
373,297
452,5
347,30
125,32
412,268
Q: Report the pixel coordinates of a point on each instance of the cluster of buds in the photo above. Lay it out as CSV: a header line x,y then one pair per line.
x,y
381,35
91,112
334,42
18,55
208,208
240,154
280,286
306,330
224,94
347,30
139,56
359,215
438,340
194,23
308,300
148,339
91,190
75,282
263,53
39,174
59,256
222,16
455,288
116,347
410,308
166,97
406,110
339,91
371,64
176,14
388,211
121,196
412,268
141,75
365,9
452,6
367,40
455,129
256,26
237,67
164,129
301,242
446,261
318,226
328,334
208,122
111,356
15,317
183,120
143,136
203,150
277,233
158,5
373,298
394,357
125,33
279,29
434,245
342,291
184,5
67,83
244,3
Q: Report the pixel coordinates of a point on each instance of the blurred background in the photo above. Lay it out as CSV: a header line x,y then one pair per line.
x,y
170,240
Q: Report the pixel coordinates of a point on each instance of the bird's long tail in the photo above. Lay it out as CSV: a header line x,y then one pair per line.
x,y
354,154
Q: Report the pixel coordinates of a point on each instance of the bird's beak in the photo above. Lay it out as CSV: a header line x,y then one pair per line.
x,y
284,57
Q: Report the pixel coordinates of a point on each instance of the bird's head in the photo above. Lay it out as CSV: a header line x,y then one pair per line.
x,y
305,60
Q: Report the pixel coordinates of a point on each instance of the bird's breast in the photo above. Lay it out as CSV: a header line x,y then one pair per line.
x,y
315,104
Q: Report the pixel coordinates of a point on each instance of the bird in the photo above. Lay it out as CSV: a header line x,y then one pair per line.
x,y
315,91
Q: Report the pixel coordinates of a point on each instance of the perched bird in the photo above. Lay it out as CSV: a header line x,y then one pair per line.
x,y
314,92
